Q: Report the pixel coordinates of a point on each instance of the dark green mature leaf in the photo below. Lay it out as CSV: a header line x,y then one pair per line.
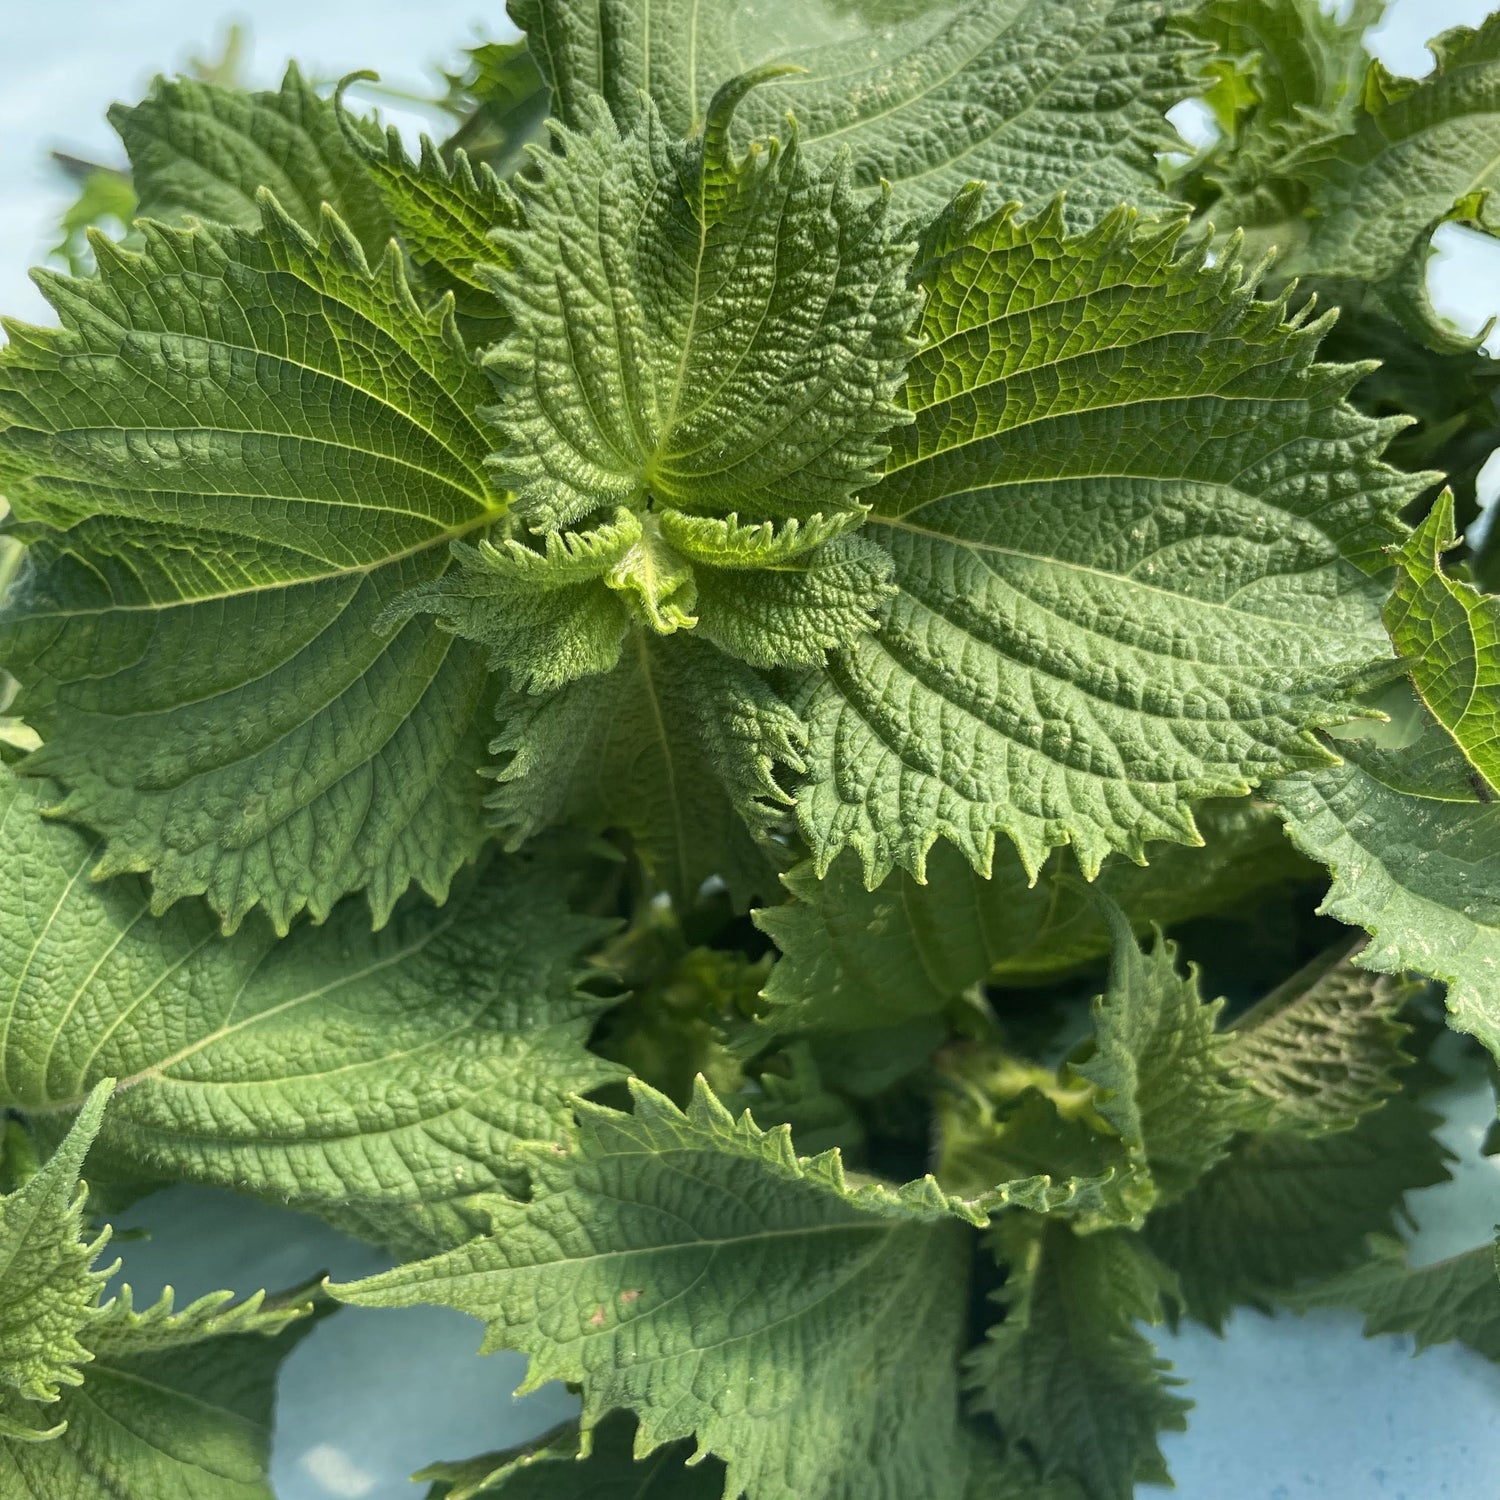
x,y
49,1291
237,450
1321,1050
1067,1375
381,1079
1449,635
1421,151
1414,848
552,1468
1100,621
202,151
832,1373
854,958
677,748
1283,1207
1157,1064
926,97
723,337
1455,1299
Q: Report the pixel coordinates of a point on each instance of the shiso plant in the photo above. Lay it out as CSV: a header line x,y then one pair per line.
x,y
623,705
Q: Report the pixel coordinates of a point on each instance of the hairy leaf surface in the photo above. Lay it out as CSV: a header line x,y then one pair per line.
x,y
833,1374
237,450
1036,96
1131,524
378,1078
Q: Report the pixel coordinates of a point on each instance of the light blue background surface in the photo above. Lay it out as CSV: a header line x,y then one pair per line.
x,y
1287,1409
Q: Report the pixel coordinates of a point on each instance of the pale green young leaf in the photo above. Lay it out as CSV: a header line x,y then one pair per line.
x,y
222,493
1099,621
1281,1207
852,958
833,1372
1320,1051
380,1079
201,150
720,337
446,212
1413,845
1020,92
1455,1299
49,1289
1449,635
677,748
1067,1374
1157,1063
179,1409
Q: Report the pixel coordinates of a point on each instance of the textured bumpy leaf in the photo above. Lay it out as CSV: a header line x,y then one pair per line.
x,y
725,338
1449,635
831,1371
179,1409
1414,848
1021,92
677,748
1099,620
378,1078
1282,1207
855,958
1067,1374
1157,1063
49,1291
1455,1299
1421,151
238,449
1320,1051
446,213
203,151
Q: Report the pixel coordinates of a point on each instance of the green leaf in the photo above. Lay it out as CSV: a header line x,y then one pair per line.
x,y
49,1291
1100,621
380,1079
202,151
1035,96
446,211
506,100
552,1468
1454,1299
173,1408
1320,1051
1282,1207
830,1370
854,958
1157,1064
1421,152
1449,635
1414,847
707,335
223,491
1066,1373
677,748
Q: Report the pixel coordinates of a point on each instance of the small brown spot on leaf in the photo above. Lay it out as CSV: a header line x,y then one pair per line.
x,y
627,1298
597,1321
